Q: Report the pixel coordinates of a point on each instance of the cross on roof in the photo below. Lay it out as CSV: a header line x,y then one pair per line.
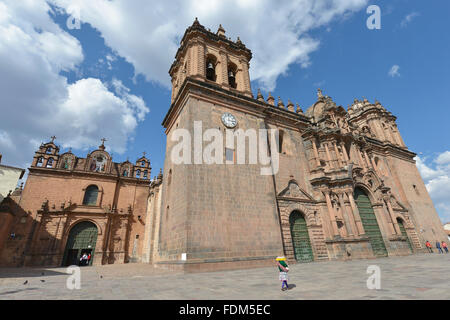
x,y
103,141
53,138
144,153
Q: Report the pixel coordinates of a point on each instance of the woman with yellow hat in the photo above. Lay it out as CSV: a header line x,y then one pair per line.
x,y
284,269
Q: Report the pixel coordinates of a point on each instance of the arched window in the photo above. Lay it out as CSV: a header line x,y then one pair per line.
x,y
49,150
143,163
125,173
40,162
138,173
232,70
90,196
211,68
49,163
145,174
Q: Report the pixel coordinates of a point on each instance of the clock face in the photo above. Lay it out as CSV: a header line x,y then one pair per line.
x,y
229,120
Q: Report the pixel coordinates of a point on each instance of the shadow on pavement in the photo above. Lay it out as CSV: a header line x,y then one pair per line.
x,y
29,272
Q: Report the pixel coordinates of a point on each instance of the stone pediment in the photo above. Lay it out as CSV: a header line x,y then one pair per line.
x,y
396,205
293,191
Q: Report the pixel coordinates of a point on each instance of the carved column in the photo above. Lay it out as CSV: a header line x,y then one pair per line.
x,y
332,214
394,221
356,213
316,153
223,68
330,162
367,159
391,223
361,161
200,59
344,151
338,156
353,227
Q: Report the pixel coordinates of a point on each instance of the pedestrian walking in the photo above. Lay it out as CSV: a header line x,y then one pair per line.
x,y
284,269
444,245
438,246
428,245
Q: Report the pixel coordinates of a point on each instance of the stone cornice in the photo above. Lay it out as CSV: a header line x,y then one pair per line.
x,y
87,174
266,110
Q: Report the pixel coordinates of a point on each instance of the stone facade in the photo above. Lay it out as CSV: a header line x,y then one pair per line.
x,y
55,200
347,186
329,156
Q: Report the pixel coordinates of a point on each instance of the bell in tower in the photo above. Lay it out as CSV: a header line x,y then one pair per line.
x,y
210,71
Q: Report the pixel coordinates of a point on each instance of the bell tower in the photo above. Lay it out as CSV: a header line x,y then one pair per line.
x,y
213,58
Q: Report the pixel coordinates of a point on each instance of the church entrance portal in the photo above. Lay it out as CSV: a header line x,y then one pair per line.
x,y
82,239
300,238
370,223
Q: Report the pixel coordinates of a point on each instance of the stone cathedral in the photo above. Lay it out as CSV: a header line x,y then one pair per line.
x,y
347,186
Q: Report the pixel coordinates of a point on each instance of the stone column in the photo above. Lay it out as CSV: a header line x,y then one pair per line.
x,y
338,156
356,213
373,164
353,227
316,153
367,159
200,60
361,161
391,223
223,69
246,84
394,221
330,163
344,151
332,214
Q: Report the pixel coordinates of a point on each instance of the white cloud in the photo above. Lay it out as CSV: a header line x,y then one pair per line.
x,y
37,101
147,34
393,72
436,175
408,19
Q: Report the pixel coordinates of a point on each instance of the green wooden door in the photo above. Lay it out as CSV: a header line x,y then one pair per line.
x,y
403,230
82,238
300,238
370,223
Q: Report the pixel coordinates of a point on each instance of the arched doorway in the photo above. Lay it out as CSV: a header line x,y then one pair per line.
x,y
403,231
300,238
82,239
370,224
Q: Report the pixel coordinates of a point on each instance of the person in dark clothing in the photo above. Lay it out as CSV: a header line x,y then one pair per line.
x,y
438,246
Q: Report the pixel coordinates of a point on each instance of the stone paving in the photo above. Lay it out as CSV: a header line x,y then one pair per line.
x,y
423,276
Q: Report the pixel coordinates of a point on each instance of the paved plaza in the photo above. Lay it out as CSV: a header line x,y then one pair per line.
x,y
423,276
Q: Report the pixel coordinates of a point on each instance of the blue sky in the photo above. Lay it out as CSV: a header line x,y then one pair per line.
x,y
119,58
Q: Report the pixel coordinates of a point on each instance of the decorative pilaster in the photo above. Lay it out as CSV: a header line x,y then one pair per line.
x,y
332,214
356,213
